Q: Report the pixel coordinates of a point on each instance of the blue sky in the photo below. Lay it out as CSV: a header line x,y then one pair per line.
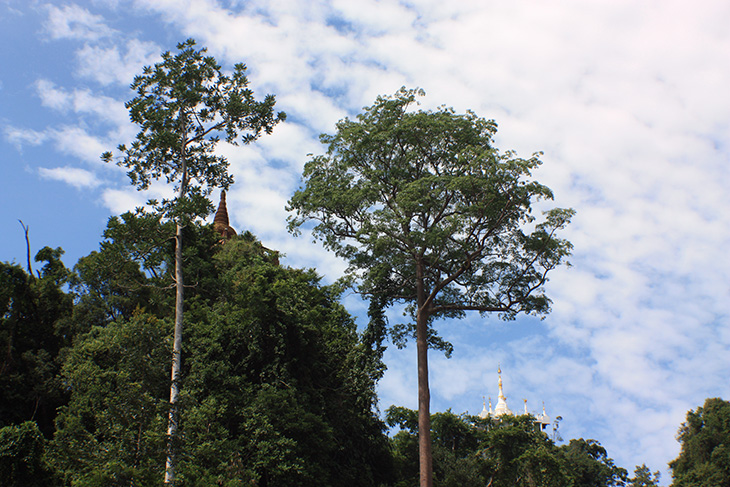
x,y
627,100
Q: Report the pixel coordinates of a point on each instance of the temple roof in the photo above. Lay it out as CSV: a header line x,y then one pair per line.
x,y
501,409
220,222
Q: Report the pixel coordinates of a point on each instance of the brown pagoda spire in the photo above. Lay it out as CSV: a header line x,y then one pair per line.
x,y
220,222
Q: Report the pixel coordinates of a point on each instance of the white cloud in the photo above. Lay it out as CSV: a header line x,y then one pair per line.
x,y
108,65
88,112
75,141
79,142
75,22
122,200
20,136
82,101
79,178
373,17
128,199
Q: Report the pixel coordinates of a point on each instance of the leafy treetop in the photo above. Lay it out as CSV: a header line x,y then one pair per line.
x,y
704,459
184,105
423,197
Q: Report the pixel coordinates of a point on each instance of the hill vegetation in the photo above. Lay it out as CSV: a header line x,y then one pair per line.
x,y
280,387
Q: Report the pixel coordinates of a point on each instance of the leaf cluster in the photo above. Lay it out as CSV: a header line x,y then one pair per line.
x,y
34,317
22,457
112,432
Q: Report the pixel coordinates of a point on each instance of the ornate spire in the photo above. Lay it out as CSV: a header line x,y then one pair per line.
x,y
484,414
220,222
499,374
221,216
501,408
544,419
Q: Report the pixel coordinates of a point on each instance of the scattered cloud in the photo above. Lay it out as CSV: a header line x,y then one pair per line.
x,y
128,198
79,142
75,22
81,101
122,200
112,65
20,137
79,178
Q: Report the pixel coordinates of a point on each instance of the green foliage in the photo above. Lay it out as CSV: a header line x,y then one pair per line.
x,y
280,366
22,457
704,459
429,214
643,477
184,105
141,238
399,189
518,453
109,282
34,313
112,432
510,451
134,269
278,389
591,466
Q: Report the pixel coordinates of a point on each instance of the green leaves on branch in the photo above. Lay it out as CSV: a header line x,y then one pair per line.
x,y
35,326
184,105
278,386
398,189
429,214
22,457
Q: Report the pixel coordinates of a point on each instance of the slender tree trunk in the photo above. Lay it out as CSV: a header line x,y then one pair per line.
x,y
175,374
176,362
425,458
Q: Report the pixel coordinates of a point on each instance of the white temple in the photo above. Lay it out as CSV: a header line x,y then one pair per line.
x,y
502,409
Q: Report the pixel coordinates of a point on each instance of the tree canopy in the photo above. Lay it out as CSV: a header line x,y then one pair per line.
x,y
510,451
398,191
278,386
35,317
704,458
427,212
183,106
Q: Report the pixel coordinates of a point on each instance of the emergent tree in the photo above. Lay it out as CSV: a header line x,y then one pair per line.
x,y
428,213
184,105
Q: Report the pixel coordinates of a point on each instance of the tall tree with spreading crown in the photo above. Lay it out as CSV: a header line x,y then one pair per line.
x,y
428,213
184,105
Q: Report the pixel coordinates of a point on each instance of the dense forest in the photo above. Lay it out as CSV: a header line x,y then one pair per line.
x,y
279,385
